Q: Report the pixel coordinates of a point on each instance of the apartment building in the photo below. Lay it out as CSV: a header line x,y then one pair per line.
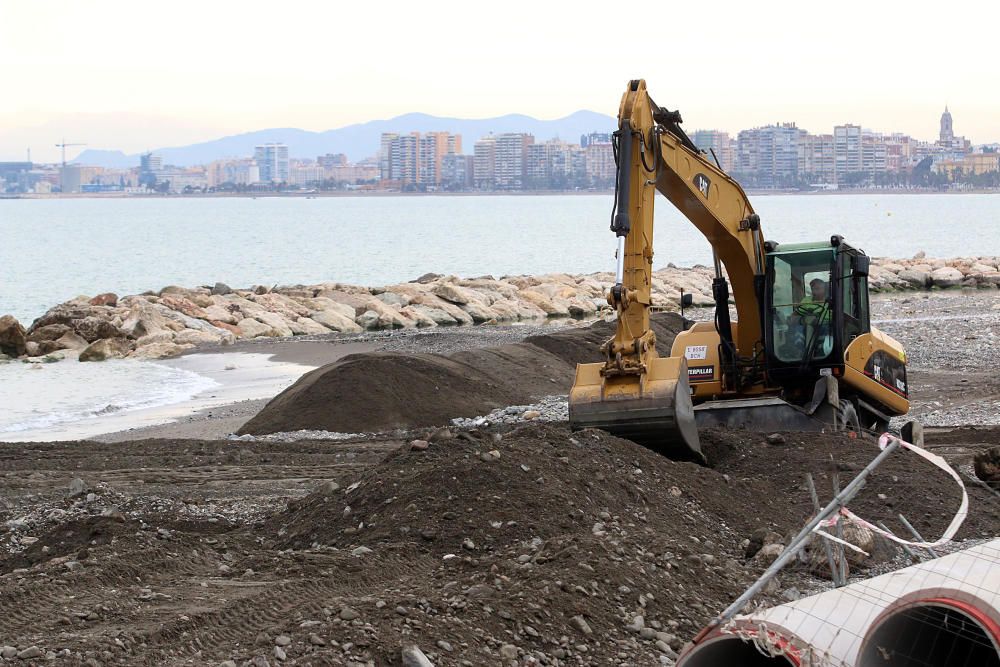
x,y
510,160
272,159
817,158
719,143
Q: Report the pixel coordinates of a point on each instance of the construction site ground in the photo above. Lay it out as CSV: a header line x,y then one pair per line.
x,y
504,543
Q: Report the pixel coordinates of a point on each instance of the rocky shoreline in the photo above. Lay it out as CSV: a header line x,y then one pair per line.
x,y
156,325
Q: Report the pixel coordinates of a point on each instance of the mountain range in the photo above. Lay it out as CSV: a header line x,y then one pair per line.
x,y
360,140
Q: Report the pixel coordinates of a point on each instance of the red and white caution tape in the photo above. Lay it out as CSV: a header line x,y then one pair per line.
x,y
949,533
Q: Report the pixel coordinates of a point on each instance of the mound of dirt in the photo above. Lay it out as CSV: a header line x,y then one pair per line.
x,y
382,391
526,545
539,525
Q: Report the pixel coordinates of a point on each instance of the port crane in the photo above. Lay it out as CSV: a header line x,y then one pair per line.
x,y
63,146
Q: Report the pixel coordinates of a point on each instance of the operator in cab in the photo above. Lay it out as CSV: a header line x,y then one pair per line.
x,y
813,313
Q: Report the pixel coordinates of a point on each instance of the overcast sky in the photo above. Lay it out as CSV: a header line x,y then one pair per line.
x,y
138,75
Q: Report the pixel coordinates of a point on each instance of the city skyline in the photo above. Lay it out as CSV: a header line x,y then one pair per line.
x,y
930,136
775,156
106,76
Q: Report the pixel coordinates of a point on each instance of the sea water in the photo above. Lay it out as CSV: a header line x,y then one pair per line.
x,y
40,396
52,250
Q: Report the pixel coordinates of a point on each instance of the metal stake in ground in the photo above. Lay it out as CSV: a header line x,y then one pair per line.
x,y
839,549
909,552
834,570
915,534
799,540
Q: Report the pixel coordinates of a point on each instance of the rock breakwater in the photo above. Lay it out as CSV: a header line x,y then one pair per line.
x,y
166,323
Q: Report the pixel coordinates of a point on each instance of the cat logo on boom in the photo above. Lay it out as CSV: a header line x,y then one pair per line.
x,y
703,184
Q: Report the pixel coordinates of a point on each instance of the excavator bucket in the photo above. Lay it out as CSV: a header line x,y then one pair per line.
x,y
653,409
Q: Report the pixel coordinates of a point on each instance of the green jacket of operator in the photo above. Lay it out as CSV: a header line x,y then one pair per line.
x,y
814,307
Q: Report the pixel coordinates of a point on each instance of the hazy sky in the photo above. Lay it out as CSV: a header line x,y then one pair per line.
x,y
137,75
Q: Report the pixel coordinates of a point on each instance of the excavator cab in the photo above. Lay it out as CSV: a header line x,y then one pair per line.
x,y
800,306
816,304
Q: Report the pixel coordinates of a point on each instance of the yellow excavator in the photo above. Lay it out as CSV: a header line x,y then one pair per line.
x,y
801,353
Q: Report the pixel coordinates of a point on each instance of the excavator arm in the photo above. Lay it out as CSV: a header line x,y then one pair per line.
x,y
635,392
664,158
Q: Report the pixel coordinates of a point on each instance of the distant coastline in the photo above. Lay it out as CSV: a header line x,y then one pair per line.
x,y
466,193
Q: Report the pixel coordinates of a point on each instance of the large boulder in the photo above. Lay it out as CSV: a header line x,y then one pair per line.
x,y
184,305
251,328
64,313
49,332
143,319
552,307
946,276
278,323
355,301
420,313
107,348
393,299
285,306
915,277
455,294
421,318
12,337
388,316
93,328
336,320
987,466
106,299
69,341
305,326
435,302
480,312
199,297
321,303
195,337
159,350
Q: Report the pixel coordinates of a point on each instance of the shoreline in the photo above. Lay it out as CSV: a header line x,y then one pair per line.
x,y
470,193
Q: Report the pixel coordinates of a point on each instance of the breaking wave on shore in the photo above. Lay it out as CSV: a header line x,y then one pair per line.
x,y
38,396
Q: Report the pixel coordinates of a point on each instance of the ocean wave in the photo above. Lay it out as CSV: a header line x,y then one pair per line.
x,y
68,392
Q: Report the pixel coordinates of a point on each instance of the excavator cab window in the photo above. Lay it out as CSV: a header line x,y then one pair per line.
x,y
854,283
801,306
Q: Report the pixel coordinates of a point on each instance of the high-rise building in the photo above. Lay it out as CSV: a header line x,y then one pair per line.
x,y
595,138
509,162
718,142
816,158
768,157
331,160
847,151
458,171
385,155
873,154
404,159
484,156
600,159
433,147
272,159
150,166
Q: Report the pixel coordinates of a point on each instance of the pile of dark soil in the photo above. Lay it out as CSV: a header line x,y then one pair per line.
x,y
382,391
508,545
587,524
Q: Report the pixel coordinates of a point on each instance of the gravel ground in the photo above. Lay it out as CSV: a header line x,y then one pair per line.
x,y
951,339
